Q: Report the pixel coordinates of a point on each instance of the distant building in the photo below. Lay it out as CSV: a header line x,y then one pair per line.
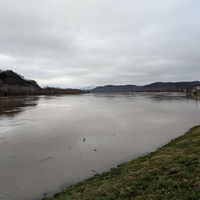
x,y
196,89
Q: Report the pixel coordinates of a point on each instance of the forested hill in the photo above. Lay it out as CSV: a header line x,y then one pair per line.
x,y
13,84
11,78
154,87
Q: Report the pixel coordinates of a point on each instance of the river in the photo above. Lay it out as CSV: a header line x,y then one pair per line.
x,y
49,142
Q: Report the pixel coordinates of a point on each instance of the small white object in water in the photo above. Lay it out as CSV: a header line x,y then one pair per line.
x,y
8,192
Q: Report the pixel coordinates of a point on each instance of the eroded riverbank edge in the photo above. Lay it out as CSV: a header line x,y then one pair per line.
x,y
170,172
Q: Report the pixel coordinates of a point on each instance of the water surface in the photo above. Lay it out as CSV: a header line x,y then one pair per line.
x,y
48,142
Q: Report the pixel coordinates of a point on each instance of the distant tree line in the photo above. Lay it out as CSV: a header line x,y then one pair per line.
x,y
7,90
13,84
52,91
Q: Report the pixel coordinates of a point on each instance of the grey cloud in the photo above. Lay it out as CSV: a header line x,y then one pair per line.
x,y
92,42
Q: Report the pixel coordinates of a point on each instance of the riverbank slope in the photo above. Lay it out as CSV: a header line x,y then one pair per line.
x,y
171,172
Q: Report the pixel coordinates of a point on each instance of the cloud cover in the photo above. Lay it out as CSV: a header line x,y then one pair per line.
x,y
76,43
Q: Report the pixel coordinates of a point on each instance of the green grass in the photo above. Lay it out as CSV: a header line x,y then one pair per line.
x,y
171,172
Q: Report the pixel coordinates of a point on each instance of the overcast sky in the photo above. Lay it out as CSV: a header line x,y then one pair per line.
x,y
78,43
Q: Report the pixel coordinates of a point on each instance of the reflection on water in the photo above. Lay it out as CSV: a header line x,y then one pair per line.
x,y
12,106
175,96
60,140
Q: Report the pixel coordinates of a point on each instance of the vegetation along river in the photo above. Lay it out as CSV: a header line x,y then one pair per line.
x,y
49,142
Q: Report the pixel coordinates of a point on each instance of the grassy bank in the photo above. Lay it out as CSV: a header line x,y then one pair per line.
x,y
171,172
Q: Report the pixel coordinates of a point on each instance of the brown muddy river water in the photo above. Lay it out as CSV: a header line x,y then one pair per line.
x,y
48,142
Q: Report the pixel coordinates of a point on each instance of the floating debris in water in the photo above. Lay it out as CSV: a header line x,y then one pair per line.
x,y
12,156
95,150
44,159
93,170
83,139
45,194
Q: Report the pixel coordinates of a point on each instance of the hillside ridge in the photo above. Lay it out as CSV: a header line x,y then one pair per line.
x,y
8,77
13,84
153,87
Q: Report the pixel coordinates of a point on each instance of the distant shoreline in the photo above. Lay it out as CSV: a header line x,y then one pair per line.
x,y
23,91
13,84
186,87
